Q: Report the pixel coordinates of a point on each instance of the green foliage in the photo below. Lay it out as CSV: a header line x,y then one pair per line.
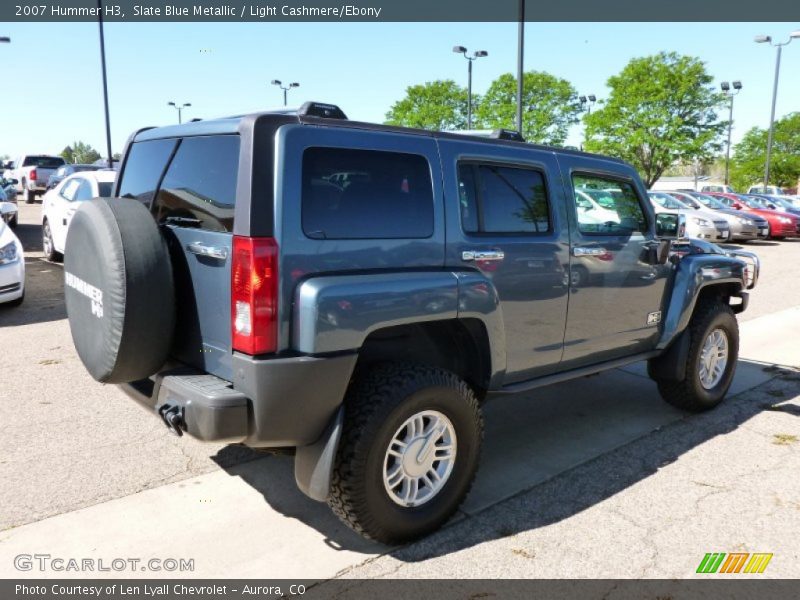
x,y
661,111
749,155
80,153
549,105
437,105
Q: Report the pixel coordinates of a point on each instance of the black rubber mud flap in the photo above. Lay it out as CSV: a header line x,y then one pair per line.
x,y
119,290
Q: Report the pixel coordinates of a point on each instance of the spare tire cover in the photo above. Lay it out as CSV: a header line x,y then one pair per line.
x,y
119,290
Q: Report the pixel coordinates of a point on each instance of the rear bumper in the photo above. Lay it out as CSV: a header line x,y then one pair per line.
x,y
276,402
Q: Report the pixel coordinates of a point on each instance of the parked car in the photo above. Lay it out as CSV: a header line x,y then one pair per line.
x,y
744,227
32,171
8,210
781,224
702,226
721,223
741,228
770,189
9,187
60,203
63,172
776,203
215,286
716,187
12,267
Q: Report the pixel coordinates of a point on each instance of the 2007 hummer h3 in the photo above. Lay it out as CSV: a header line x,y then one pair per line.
x,y
355,291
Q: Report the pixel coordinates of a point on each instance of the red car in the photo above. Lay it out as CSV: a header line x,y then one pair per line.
x,y
781,224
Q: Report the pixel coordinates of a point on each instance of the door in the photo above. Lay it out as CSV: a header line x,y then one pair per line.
x,y
60,211
616,293
507,223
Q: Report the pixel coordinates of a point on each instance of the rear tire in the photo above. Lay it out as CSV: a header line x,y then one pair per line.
x,y
713,326
399,419
13,222
30,196
48,247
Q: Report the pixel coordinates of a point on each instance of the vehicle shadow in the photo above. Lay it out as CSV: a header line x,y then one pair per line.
x,y
44,295
44,284
594,447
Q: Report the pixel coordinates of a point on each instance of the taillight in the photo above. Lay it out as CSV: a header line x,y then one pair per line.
x,y
254,295
32,175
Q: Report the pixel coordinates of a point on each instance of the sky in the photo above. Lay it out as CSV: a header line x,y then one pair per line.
x,y
53,91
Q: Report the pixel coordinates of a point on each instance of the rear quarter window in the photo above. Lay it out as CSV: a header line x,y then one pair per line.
x,y
200,183
144,166
366,194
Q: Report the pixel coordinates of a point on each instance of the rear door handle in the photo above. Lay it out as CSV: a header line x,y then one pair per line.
x,y
219,252
483,255
582,251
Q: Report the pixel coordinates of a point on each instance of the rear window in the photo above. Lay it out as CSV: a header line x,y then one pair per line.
x,y
200,183
366,194
143,168
43,162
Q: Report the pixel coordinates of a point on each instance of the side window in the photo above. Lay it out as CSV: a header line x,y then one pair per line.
x,y
143,168
200,183
366,194
614,206
70,188
502,199
84,190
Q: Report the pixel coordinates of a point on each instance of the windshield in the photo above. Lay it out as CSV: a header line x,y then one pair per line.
x,y
43,162
710,201
688,200
667,201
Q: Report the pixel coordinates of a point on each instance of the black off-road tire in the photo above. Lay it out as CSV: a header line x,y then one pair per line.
x,y
688,393
377,404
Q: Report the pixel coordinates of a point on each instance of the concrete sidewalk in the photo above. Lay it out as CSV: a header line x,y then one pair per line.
x,y
579,444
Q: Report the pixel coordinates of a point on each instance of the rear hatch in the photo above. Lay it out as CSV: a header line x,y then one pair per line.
x,y
189,184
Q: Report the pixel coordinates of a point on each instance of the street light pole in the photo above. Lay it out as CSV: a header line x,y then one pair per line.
x,y
520,60
179,108
285,89
105,82
470,59
726,88
761,39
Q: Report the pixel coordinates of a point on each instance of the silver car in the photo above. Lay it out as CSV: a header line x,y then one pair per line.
x,y
743,227
699,225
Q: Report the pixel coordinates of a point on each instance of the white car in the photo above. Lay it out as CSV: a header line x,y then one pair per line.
x,y
12,267
591,211
8,210
61,202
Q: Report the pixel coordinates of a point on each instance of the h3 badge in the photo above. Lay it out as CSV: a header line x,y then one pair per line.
x,y
654,318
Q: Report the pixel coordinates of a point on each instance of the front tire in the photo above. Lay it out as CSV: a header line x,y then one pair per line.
x,y
711,361
13,222
408,453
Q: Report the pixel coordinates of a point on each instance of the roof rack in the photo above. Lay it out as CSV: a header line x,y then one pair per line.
x,y
320,109
495,134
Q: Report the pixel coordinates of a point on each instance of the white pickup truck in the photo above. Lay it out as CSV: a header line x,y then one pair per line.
x,y
32,171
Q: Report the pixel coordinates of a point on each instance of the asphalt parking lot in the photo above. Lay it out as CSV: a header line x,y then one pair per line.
x,y
595,478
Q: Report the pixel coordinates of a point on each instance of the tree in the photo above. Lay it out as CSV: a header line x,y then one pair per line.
x,y
661,111
437,105
80,153
549,104
749,155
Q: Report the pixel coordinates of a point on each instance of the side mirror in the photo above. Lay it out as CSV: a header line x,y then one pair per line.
x,y
772,206
670,226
